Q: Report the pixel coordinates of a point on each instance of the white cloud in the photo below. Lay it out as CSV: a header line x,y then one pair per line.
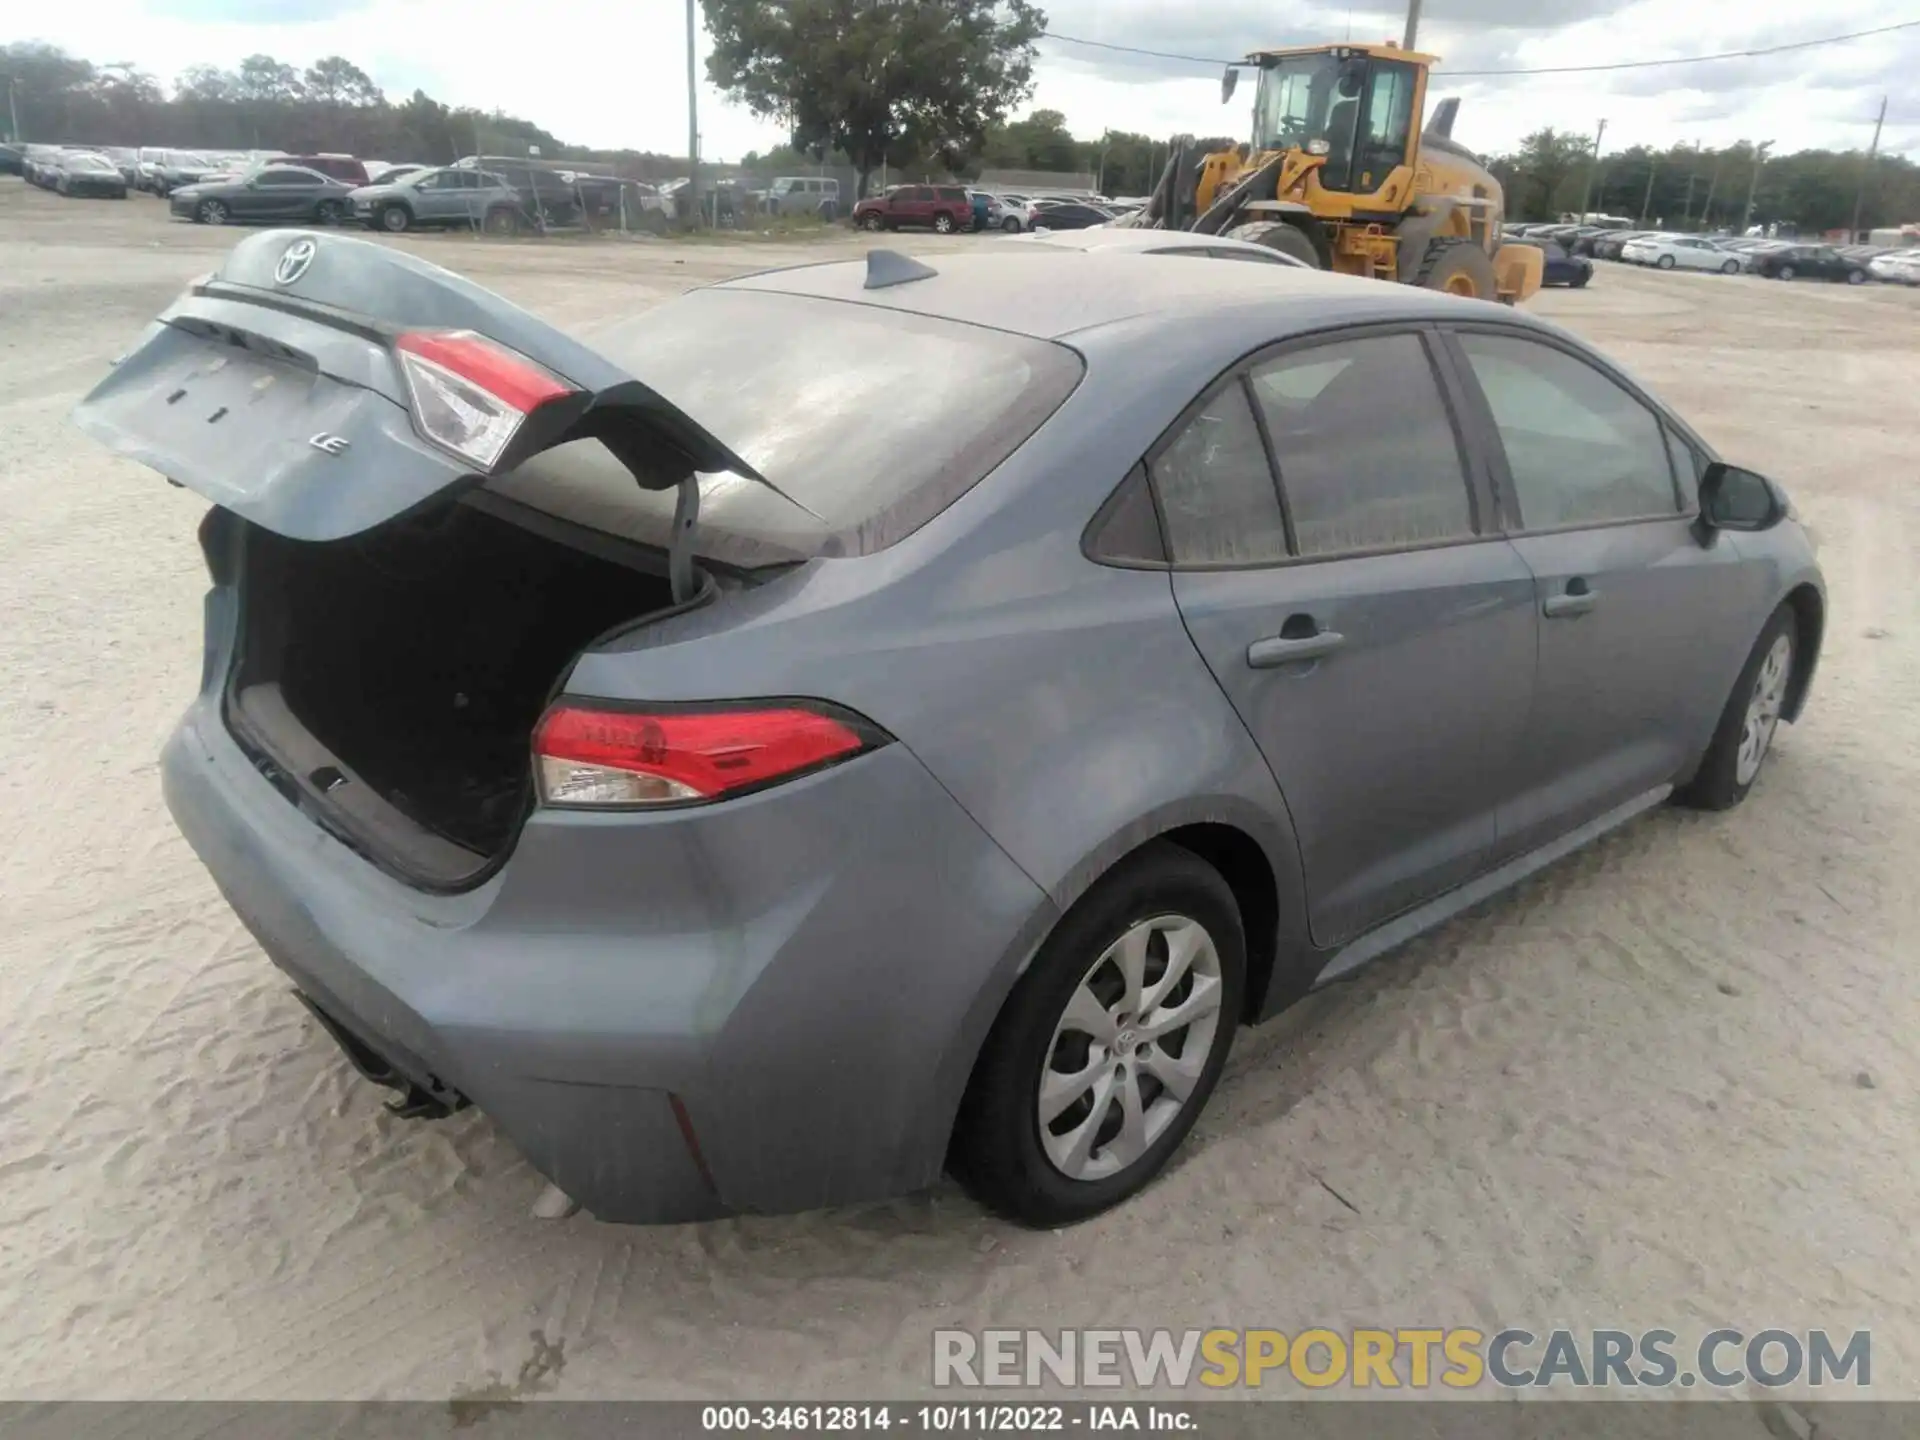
x,y
613,72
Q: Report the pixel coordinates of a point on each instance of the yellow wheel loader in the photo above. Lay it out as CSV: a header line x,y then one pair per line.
x,y
1340,175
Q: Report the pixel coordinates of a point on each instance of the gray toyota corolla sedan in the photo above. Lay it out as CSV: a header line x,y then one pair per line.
x,y
886,716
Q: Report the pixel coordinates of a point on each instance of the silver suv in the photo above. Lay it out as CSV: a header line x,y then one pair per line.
x,y
453,196
804,195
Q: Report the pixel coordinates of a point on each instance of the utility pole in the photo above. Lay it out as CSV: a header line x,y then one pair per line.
x,y
1713,183
1686,213
13,111
1646,200
693,117
1866,171
1753,184
1413,24
1593,163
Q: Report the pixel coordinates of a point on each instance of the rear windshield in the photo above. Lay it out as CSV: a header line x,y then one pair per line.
x,y
871,421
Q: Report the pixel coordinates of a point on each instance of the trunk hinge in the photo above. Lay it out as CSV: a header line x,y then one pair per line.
x,y
686,515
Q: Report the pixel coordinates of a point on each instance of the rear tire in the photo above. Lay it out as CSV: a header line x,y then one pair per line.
x,y
1002,1151
1278,235
943,224
1580,280
1457,265
1785,272
329,212
1732,267
1856,277
1744,737
1011,225
502,221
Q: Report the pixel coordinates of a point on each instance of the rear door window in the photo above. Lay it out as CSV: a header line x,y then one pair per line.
x,y
1216,488
1353,478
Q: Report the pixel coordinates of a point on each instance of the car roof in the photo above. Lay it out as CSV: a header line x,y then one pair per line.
x,y
1048,292
1138,239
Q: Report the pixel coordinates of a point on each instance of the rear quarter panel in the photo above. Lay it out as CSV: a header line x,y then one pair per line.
x,y
1059,701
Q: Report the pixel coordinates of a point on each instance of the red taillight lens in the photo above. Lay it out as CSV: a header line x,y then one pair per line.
x,y
676,757
471,394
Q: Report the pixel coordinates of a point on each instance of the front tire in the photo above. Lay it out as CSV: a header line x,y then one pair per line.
x,y
1744,736
872,223
1108,1047
211,212
1011,224
1665,262
1785,272
329,212
395,220
1457,265
1856,277
1278,235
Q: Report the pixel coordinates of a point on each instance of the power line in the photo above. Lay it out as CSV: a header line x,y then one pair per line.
x,y
1537,69
1131,49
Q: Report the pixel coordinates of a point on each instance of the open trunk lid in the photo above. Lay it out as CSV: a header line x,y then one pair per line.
x,y
310,386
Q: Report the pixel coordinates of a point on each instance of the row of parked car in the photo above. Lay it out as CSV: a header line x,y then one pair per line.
x,y
953,209
497,193
1773,257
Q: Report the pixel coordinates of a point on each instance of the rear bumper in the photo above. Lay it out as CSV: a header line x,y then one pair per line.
x,y
801,978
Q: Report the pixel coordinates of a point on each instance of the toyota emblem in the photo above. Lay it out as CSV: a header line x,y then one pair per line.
x,y
294,261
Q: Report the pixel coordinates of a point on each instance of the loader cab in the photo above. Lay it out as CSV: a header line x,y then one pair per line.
x,y
1357,106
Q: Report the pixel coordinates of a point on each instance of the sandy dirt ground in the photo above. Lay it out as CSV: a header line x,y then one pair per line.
x,y
1671,1082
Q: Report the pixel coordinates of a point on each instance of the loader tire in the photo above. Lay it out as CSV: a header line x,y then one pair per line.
x,y
1278,235
1458,266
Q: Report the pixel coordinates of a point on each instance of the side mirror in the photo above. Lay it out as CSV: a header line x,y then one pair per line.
x,y
1229,82
1736,499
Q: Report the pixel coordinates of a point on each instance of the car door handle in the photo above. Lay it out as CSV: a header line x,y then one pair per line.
x,y
1288,650
1578,599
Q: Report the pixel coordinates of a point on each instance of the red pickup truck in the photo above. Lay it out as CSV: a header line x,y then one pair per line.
x,y
946,208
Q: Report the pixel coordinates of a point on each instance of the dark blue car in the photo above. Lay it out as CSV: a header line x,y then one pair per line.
x,y
1562,268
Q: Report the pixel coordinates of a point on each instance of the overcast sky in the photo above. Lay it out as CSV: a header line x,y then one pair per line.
x,y
613,72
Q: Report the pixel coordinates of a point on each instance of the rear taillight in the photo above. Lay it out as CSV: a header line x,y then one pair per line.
x,y
627,758
470,394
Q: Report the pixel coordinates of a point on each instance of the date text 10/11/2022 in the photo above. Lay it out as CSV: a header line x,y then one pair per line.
x,y
945,1419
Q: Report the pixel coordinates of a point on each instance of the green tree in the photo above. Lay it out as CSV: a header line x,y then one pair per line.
x,y
877,79
1039,142
263,78
336,80
207,84
1538,177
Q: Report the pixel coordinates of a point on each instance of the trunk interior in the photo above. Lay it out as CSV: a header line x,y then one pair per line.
x,y
391,681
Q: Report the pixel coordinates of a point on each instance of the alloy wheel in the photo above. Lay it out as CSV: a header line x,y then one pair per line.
x,y
1129,1050
1763,709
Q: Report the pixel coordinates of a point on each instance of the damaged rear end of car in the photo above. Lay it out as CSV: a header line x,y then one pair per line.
x,y
591,916
399,629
